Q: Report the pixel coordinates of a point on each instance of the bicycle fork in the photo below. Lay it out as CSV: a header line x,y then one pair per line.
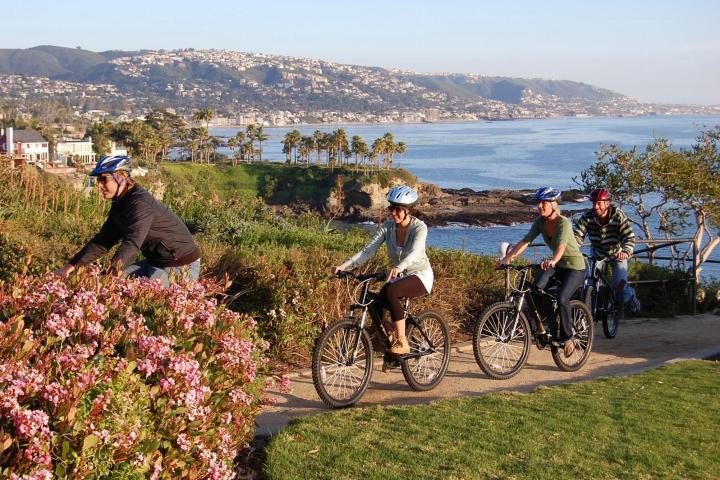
x,y
350,359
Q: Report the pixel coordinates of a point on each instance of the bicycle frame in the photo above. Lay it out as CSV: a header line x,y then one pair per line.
x,y
367,298
518,298
597,272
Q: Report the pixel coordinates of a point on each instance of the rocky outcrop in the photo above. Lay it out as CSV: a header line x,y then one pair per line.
x,y
441,206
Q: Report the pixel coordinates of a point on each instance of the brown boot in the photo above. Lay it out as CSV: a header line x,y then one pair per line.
x,y
401,346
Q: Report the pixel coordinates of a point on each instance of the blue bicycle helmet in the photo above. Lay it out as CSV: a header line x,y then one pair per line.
x,y
111,164
402,196
546,194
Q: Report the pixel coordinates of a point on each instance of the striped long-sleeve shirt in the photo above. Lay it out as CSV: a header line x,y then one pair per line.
x,y
609,239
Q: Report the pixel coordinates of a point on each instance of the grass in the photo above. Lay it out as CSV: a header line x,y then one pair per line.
x,y
662,423
275,182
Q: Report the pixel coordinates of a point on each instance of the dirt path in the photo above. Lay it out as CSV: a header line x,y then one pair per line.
x,y
641,344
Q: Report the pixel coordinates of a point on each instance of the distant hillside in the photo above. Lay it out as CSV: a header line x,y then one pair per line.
x,y
189,78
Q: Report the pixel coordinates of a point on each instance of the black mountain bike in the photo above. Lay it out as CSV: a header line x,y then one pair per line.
x,y
342,360
605,302
502,334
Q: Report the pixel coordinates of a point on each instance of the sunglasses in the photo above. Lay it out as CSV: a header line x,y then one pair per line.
x,y
103,179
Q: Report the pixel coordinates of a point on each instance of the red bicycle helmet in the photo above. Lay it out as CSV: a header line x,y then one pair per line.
x,y
599,195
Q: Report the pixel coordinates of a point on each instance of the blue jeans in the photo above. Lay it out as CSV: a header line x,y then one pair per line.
x,y
566,282
619,274
144,269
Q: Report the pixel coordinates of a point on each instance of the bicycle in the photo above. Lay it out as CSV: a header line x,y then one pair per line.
x,y
605,302
502,334
342,358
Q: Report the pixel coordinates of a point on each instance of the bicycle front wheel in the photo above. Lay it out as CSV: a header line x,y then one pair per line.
x,y
614,310
342,364
500,346
425,366
591,300
583,339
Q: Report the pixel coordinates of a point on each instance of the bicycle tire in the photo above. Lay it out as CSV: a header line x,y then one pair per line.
x,y
614,311
591,300
426,372
337,383
583,326
491,343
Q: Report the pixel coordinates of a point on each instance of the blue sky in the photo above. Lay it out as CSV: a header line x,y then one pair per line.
x,y
655,51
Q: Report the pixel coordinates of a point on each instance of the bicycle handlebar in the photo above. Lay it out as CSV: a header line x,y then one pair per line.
x,y
379,276
518,268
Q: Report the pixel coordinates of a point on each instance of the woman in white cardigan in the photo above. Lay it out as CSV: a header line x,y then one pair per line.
x,y
411,274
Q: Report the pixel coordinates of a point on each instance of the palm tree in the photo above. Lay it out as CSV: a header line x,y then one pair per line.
x,y
328,144
317,137
378,149
390,149
250,134
341,144
261,137
232,144
359,148
308,145
290,143
400,149
206,115
213,144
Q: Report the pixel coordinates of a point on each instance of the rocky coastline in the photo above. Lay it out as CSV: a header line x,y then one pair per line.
x,y
444,206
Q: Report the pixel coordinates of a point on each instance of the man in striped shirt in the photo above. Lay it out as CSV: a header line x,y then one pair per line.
x,y
612,236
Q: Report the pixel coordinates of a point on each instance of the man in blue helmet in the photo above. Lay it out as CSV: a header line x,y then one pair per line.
x,y
140,224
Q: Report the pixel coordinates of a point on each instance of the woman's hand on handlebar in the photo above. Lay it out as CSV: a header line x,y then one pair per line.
x,y
393,273
334,270
503,261
622,256
547,264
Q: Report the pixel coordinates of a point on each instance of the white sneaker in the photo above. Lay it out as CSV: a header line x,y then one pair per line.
x,y
635,305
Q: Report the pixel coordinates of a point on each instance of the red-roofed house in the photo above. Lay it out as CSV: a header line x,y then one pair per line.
x,y
26,143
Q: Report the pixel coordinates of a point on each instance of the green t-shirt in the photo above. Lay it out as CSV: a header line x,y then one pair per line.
x,y
572,258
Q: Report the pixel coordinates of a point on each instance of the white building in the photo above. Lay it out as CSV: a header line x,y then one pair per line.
x,y
79,151
26,143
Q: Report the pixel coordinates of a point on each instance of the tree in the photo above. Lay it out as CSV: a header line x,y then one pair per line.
x,y
290,142
205,115
100,133
400,149
261,137
359,148
169,127
681,187
689,179
318,138
307,146
251,134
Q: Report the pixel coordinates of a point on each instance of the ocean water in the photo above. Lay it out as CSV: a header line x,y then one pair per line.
x,y
509,154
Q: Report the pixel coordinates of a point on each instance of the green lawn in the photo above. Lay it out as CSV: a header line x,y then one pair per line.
x,y
662,423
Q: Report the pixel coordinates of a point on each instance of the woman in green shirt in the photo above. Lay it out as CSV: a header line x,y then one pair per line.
x,y
566,267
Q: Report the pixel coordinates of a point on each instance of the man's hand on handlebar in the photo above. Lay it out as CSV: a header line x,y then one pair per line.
x,y
622,256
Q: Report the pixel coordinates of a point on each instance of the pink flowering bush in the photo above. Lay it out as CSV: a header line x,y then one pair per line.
x,y
114,377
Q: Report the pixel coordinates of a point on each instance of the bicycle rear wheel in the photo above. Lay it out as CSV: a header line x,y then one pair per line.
x,y
499,350
429,356
614,311
340,374
583,327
